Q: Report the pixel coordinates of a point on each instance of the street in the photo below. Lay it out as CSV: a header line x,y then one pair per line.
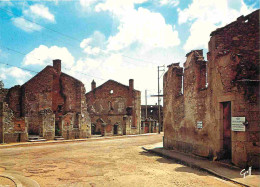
x,y
110,162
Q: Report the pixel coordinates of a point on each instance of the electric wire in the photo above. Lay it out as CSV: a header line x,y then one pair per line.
x,y
67,36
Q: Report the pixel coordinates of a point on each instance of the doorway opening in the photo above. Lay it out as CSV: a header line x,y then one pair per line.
x,y
227,130
115,129
57,129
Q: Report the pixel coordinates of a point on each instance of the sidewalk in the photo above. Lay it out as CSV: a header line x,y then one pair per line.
x,y
218,169
25,144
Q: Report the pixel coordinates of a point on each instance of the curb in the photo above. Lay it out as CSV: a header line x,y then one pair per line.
x,y
15,181
193,166
25,144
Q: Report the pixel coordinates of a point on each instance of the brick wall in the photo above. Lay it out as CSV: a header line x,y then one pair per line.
x,y
44,101
115,104
232,76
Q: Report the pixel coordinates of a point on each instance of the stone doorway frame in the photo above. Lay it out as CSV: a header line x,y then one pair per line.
x,y
219,117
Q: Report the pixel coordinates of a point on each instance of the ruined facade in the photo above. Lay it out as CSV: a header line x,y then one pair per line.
x,y
51,104
149,123
115,109
205,101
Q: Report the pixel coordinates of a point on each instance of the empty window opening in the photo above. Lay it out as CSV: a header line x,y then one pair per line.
x,y
111,91
110,107
59,108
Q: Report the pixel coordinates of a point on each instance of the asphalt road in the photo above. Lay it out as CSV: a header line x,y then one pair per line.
x,y
110,162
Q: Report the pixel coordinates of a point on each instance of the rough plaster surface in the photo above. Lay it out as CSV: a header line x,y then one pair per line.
x,y
232,76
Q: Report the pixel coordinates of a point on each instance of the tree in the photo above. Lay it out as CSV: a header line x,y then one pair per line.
x,y
1,84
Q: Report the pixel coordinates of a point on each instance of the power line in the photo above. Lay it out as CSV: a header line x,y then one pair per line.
x,y
21,53
85,74
38,71
18,67
24,54
40,59
138,59
65,35
70,37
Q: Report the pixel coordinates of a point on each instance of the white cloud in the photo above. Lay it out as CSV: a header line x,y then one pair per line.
x,y
19,75
205,16
95,44
118,7
136,27
195,42
144,27
173,3
87,3
142,34
37,11
25,25
43,56
139,27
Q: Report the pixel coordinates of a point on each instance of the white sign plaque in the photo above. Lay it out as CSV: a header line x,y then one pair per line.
x,y
237,124
199,124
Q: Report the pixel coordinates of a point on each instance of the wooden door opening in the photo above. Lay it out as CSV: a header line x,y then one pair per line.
x,y
227,129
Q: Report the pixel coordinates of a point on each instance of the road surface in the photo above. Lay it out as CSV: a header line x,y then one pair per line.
x,y
110,162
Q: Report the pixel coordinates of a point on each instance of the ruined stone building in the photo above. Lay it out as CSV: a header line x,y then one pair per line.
x,y
211,108
149,119
50,104
115,109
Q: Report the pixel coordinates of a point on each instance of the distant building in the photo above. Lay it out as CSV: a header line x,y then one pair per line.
x,y
51,104
211,108
115,109
150,123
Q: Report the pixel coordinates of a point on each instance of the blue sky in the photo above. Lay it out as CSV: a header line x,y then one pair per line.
x,y
108,39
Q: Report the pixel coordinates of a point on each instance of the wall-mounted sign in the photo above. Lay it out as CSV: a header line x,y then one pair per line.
x,y
237,124
199,124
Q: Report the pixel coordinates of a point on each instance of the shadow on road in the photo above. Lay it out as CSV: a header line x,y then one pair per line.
x,y
184,167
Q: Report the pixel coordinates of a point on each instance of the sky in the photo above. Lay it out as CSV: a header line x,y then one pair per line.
x,y
108,39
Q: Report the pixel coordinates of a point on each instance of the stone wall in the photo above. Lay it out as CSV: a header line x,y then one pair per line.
x,y
152,117
37,97
12,129
46,100
3,93
232,77
117,105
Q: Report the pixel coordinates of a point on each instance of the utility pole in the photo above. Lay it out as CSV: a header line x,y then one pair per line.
x,y
145,104
159,108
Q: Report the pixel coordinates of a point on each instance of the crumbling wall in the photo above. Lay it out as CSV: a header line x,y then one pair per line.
x,y
173,109
45,101
116,104
74,93
46,120
14,99
12,129
194,121
234,59
137,112
37,97
71,89
182,111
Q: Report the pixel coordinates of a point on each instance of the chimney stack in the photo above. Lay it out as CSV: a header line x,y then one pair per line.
x,y
131,84
57,65
93,85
